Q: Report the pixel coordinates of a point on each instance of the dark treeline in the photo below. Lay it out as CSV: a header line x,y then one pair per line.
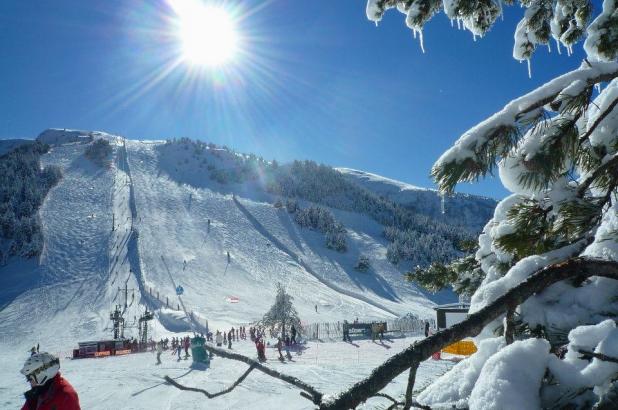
x,y
320,219
23,187
99,151
414,237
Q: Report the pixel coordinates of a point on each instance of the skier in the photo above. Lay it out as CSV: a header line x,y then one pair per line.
x,y
346,332
218,339
316,308
287,351
49,389
279,344
159,351
37,347
293,332
187,344
259,345
32,351
228,257
179,350
426,328
229,338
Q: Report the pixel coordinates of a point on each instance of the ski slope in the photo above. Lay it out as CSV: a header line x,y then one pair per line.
x,y
142,224
174,206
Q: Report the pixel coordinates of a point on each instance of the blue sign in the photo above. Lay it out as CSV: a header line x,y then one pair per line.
x,y
179,290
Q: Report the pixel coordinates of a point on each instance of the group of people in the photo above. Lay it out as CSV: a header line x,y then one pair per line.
x,y
226,338
177,344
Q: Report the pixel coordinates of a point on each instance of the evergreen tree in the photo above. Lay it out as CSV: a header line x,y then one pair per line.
x,y
282,313
556,150
99,151
363,264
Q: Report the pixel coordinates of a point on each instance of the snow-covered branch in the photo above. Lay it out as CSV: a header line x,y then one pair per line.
x,y
472,326
467,159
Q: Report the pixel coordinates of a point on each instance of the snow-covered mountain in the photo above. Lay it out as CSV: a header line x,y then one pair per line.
x,y
161,214
181,215
468,210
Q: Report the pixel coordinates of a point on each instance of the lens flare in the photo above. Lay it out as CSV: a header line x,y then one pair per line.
x,y
207,34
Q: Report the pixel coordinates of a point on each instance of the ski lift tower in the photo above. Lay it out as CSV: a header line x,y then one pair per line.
x,y
143,326
118,321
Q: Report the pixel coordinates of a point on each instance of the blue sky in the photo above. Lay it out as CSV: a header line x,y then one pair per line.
x,y
316,80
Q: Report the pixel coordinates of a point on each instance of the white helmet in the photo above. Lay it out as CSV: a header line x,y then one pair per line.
x,y
41,367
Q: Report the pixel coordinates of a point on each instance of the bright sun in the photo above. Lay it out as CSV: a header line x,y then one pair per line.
x,y
207,33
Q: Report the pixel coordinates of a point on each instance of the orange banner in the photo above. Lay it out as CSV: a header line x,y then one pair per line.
x,y
101,354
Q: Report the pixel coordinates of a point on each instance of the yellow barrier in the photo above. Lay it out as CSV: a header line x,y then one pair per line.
x,y
463,347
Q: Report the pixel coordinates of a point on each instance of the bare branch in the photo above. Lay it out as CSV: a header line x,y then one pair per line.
x,y
472,326
314,395
410,387
509,328
612,163
386,396
588,355
210,395
598,121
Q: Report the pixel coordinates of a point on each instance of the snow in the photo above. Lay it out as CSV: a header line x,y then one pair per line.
x,y
575,372
135,382
511,378
596,29
466,210
454,387
55,136
603,135
377,179
491,291
159,206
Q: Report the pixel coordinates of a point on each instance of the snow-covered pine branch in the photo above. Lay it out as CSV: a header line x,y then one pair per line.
x,y
555,149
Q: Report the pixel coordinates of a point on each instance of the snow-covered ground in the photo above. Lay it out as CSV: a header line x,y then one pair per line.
x,y
143,223
135,382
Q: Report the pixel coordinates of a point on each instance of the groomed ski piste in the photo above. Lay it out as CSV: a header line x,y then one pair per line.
x,y
226,245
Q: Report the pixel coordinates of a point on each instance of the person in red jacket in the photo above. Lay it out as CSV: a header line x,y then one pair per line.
x,y
50,391
259,345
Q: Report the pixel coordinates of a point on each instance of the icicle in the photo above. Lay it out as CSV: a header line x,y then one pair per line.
x,y
458,24
597,86
420,38
376,23
549,46
414,33
452,23
442,207
474,37
558,46
529,68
